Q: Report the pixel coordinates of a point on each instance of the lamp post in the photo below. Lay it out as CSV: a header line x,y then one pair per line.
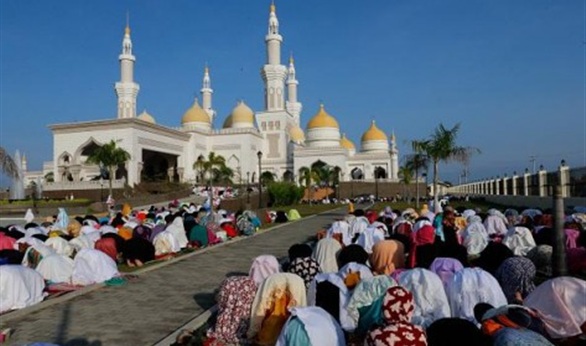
x,y
259,155
248,189
101,189
376,183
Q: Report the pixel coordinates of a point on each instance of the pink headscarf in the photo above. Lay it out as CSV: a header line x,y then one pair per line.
x,y
571,238
107,246
262,267
6,242
425,235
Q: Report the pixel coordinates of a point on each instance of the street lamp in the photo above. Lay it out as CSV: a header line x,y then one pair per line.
x,y
259,155
248,188
101,189
376,182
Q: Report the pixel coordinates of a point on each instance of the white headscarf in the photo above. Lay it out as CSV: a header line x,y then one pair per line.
x,y
262,267
431,302
345,294
20,287
176,228
62,220
469,287
165,243
343,228
320,326
519,240
353,267
60,245
358,225
108,229
474,236
495,224
82,242
365,293
93,266
326,253
29,216
56,268
369,237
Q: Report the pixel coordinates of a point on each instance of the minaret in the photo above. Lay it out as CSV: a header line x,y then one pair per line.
x,y
273,73
206,94
23,164
394,174
293,106
126,88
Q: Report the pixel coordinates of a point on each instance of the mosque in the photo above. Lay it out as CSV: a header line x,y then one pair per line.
x,y
273,135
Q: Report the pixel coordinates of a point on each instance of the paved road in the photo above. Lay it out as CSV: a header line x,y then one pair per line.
x,y
145,311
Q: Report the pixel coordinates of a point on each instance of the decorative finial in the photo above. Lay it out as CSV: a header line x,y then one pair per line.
x,y
273,8
206,69
127,29
291,60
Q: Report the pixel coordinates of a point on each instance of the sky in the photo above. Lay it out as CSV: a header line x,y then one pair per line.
x,y
512,73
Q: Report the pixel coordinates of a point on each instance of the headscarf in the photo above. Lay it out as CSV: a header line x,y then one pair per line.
x,y
326,253
398,308
262,267
62,221
352,253
423,236
475,238
92,266
445,268
293,215
142,231
299,251
307,268
56,268
125,233
493,256
176,228
495,225
520,240
126,209
368,293
471,286
560,304
370,236
387,256
342,228
165,243
234,302
6,242
516,274
20,286
431,302
311,326
73,228
107,246
271,306
541,258
29,216
329,293
352,273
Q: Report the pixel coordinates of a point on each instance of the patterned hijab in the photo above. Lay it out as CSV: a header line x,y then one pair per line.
x,y
306,267
397,311
516,274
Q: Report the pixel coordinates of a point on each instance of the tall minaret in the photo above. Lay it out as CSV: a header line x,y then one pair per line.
x,y
23,165
126,88
293,106
206,94
394,174
273,73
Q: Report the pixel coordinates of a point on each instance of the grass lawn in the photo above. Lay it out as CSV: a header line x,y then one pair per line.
x,y
46,203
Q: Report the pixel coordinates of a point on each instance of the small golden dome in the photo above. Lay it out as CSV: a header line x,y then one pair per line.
x,y
242,114
195,114
296,134
322,119
374,134
346,143
144,116
227,122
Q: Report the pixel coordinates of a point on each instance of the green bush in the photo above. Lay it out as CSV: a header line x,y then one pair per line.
x,y
284,193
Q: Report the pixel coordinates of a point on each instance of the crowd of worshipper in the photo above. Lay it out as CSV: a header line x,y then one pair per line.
x,y
65,253
460,277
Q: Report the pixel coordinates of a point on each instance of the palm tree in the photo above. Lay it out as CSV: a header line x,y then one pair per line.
x,y
417,162
405,176
8,165
109,157
214,168
199,166
442,147
306,177
267,177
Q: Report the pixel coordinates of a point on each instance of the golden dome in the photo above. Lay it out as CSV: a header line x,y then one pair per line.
x,y
322,119
195,114
296,134
144,116
227,122
346,143
374,134
242,114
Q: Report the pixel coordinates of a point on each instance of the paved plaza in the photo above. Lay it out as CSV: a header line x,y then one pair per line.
x,y
144,311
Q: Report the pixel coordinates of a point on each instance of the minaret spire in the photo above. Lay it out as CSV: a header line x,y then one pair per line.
x,y
126,88
273,73
206,93
293,106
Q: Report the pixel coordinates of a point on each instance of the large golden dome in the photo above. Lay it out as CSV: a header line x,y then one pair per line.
x,y
195,114
296,134
374,134
322,119
227,122
144,116
346,143
242,114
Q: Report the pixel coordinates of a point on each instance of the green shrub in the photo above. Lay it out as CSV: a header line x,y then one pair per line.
x,y
284,193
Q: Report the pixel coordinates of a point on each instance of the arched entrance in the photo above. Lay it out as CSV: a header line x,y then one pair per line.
x,y
357,174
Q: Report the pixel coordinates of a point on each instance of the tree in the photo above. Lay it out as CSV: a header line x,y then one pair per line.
x,y
8,165
405,176
306,177
417,162
109,157
213,169
442,147
267,177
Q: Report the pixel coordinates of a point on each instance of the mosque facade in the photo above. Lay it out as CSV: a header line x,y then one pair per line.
x,y
169,153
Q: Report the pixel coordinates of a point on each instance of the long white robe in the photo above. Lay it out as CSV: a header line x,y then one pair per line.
x,y
93,266
20,287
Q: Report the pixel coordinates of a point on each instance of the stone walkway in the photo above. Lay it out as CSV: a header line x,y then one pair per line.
x,y
145,311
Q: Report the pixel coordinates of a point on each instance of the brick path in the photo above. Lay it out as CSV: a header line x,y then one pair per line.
x,y
145,311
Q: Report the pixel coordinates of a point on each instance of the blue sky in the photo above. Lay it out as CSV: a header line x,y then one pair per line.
x,y
511,72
